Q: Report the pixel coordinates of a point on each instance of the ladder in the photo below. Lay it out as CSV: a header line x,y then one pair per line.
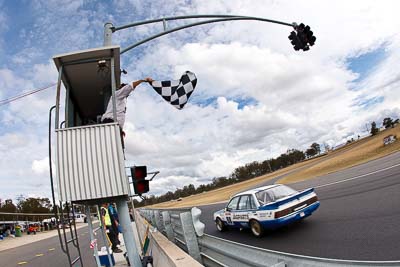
x,y
67,239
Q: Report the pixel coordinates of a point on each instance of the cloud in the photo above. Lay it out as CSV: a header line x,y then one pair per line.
x,y
171,183
18,152
26,56
41,166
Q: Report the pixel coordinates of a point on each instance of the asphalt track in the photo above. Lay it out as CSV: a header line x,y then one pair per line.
x,y
359,216
48,252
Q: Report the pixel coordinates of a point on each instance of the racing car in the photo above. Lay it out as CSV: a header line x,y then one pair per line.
x,y
267,207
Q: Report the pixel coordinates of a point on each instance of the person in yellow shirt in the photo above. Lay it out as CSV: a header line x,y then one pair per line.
x,y
107,224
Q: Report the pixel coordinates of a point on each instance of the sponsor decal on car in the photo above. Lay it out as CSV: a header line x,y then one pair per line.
x,y
240,217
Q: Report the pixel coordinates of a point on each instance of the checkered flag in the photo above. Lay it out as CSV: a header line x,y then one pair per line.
x,y
176,92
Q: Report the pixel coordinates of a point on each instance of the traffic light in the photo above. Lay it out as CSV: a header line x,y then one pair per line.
x,y
310,38
140,184
297,45
302,37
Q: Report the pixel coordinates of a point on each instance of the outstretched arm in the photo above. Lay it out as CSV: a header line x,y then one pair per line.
x,y
136,83
126,90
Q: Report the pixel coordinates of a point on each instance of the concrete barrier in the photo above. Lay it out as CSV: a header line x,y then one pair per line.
x,y
165,253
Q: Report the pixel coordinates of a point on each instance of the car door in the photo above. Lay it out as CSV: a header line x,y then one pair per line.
x,y
241,215
230,210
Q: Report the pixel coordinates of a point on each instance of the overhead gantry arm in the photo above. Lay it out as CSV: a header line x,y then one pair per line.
x,y
109,28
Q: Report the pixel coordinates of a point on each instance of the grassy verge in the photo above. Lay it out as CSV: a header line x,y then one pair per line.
x,y
371,148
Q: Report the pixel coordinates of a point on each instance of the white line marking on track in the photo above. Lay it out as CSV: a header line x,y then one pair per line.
x,y
359,176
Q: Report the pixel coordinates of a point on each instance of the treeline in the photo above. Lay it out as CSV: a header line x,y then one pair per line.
x,y
24,205
242,173
387,123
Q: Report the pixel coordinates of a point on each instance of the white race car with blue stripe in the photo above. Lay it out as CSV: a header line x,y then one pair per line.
x,y
267,207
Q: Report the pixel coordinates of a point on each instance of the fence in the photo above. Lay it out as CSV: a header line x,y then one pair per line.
x,y
182,226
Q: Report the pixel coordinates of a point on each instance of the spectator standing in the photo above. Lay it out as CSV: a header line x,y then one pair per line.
x,y
114,221
107,224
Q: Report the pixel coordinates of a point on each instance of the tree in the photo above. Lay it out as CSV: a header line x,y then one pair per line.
x,y
316,147
35,205
374,129
327,147
297,155
311,152
241,173
20,199
387,122
8,206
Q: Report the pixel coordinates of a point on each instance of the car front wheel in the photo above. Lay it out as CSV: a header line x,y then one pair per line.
x,y
220,225
256,228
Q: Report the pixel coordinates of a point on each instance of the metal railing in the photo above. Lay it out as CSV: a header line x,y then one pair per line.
x,y
182,226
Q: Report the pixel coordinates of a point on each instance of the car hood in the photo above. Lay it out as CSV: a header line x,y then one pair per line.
x,y
276,204
219,211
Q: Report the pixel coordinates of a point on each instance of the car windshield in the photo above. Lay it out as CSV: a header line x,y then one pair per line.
x,y
273,194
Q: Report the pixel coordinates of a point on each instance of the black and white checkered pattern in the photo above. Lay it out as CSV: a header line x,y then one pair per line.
x,y
177,92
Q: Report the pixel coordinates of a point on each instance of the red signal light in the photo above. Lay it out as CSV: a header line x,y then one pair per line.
x,y
142,187
139,172
140,184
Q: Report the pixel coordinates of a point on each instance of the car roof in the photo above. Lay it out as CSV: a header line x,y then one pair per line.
x,y
255,190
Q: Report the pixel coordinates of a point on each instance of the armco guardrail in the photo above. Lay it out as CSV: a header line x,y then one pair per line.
x,y
183,227
165,253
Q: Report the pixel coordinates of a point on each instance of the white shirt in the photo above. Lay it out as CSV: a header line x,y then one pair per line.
x,y
120,98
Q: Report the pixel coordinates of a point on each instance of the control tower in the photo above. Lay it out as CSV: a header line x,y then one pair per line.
x,y
89,156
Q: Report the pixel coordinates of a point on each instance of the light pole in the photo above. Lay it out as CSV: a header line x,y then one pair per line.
x,y
109,28
108,33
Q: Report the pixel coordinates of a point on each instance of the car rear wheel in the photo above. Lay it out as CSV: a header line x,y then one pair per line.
x,y
220,225
256,228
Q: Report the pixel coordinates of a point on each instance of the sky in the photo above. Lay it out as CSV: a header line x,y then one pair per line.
x,y
256,97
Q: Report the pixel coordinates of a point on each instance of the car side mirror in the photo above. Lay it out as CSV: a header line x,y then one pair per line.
x,y
227,209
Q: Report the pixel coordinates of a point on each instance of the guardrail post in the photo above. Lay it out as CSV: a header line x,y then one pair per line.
x,y
153,218
149,216
167,226
279,264
198,225
159,223
190,235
